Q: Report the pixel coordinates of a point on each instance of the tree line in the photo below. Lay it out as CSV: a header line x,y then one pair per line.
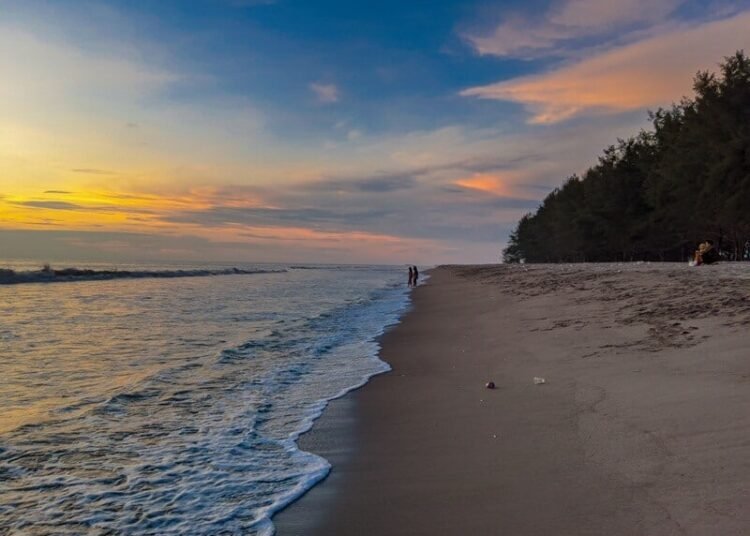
x,y
656,195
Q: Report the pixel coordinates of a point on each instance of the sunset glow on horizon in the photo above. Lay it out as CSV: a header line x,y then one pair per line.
x,y
285,131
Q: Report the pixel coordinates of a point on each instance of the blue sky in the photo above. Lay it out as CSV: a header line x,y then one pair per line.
x,y
322,130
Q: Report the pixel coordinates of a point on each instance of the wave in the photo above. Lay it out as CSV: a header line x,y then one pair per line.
x,y
51,275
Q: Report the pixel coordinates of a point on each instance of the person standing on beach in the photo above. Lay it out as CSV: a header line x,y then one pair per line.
x,y
416,276
411,276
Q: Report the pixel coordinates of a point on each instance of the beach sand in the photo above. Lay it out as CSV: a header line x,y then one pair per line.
x,y
642,427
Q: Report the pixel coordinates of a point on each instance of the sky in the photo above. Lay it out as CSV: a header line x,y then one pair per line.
x,y
320,130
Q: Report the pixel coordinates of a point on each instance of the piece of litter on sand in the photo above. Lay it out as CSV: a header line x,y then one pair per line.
x,y
539,381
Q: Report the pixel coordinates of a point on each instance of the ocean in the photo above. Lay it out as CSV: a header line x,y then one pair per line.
x,y
172,404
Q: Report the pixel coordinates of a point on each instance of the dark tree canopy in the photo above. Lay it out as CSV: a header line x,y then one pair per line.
x,y
654,196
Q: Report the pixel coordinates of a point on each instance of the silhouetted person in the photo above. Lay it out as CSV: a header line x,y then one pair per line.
x,y
411,276
416,275
706,253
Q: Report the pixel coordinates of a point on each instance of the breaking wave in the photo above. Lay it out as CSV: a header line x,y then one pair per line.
x,y
51,275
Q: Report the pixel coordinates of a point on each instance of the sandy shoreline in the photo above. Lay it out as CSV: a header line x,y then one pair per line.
x,y
642,427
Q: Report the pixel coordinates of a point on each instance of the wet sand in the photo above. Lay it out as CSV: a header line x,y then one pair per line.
x,y
641,428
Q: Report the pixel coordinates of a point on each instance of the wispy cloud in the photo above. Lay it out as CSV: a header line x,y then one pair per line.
x,y
650,73
381,183
592,14
44,68
566,22
500,184
52,205
325,93
93,171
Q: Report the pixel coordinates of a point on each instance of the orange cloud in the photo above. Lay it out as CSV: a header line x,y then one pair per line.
x,y
500,184
650,73
485,183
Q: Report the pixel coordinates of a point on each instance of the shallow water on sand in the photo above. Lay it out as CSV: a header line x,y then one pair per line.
x,y
172,406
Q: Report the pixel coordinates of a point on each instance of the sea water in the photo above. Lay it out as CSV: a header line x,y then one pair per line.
x,y
172,405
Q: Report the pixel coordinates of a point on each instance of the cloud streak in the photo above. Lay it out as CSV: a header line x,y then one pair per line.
x,y
650,73
52,205
325,93
93,171
567,22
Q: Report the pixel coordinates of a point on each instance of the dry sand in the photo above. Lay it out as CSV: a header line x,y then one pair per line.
x,y
642,427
